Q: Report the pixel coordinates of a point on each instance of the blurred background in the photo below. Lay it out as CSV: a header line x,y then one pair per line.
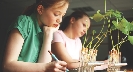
x,y
10,9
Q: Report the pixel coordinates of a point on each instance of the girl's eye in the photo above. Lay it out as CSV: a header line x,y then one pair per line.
x,y
56,14
84,25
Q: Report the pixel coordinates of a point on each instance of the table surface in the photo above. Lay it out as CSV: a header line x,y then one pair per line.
x,y
129,69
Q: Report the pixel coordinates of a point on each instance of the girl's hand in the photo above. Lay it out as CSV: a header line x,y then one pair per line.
x,y
56,66
48,32
106,61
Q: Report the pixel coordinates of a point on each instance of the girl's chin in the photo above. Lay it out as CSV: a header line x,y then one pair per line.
x,y
48,25
80,35
45,25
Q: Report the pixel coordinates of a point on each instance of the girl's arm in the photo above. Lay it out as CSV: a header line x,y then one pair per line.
x,y
44,56
13,48
60,51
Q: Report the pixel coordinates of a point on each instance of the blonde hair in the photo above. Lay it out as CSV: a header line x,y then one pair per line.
x,y
45,4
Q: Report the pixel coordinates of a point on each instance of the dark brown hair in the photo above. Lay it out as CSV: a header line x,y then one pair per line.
x,y
45,4
66,21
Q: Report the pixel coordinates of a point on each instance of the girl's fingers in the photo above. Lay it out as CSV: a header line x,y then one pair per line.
x,y
58,70
61,65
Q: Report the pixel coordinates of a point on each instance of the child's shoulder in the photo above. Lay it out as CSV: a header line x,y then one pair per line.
x,y
23,17
59,32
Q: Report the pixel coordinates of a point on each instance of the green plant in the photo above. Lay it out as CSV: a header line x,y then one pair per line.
x,y
119,23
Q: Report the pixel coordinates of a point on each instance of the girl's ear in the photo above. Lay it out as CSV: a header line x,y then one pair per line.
x,y
40,9
72,20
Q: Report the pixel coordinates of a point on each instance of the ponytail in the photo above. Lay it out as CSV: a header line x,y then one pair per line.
x,y
29,10
65,23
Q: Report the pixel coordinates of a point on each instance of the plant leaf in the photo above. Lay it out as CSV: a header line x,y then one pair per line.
x,y
93,32
130,38
113,27
131,26
124,26
98,17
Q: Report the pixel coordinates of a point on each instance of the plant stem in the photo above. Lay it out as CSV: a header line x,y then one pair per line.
x,y
85,38
105,35
84,41
99,40
105,5
97,35
120,42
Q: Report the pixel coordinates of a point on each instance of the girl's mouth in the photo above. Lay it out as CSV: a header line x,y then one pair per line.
x,y
55,25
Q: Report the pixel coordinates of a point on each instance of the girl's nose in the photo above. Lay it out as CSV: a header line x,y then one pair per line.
x,y
85,30
59,20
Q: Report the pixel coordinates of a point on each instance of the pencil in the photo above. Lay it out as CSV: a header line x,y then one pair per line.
x,y
55,58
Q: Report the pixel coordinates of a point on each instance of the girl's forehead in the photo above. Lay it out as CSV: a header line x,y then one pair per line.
x,y
60,8
85,19
60,5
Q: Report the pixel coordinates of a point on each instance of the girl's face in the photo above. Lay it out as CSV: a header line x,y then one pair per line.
x,y
81,26
52,16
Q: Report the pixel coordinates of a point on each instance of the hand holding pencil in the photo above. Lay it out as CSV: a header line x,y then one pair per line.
x,y
61,65
55,66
